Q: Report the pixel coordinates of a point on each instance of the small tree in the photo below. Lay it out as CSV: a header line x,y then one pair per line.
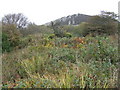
x,y
58,29
18,19
108,15
105,23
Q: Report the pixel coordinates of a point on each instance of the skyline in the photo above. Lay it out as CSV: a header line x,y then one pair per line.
x,y
44,11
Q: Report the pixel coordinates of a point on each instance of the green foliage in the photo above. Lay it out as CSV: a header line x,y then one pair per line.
x,y
58,29
103,24
51,36
6,44
10,37
54,58
68,35
36,29
82,29
109,15
60,63
101,50
97,26
59,32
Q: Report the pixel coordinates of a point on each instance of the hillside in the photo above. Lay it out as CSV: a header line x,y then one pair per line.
x,y
74,19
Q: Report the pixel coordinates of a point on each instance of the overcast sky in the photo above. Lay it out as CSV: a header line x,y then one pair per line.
x,y
43,11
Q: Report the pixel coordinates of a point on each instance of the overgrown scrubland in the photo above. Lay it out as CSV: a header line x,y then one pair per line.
x,y
60,56
62,63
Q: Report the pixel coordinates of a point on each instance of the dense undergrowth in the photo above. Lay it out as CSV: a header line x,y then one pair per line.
x,y
40,62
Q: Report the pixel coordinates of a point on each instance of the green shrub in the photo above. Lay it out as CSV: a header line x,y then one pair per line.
x,y
68,35
51,36
10,37
6,44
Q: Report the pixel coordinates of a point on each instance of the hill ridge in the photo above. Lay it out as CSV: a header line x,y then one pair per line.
x,y
74,19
